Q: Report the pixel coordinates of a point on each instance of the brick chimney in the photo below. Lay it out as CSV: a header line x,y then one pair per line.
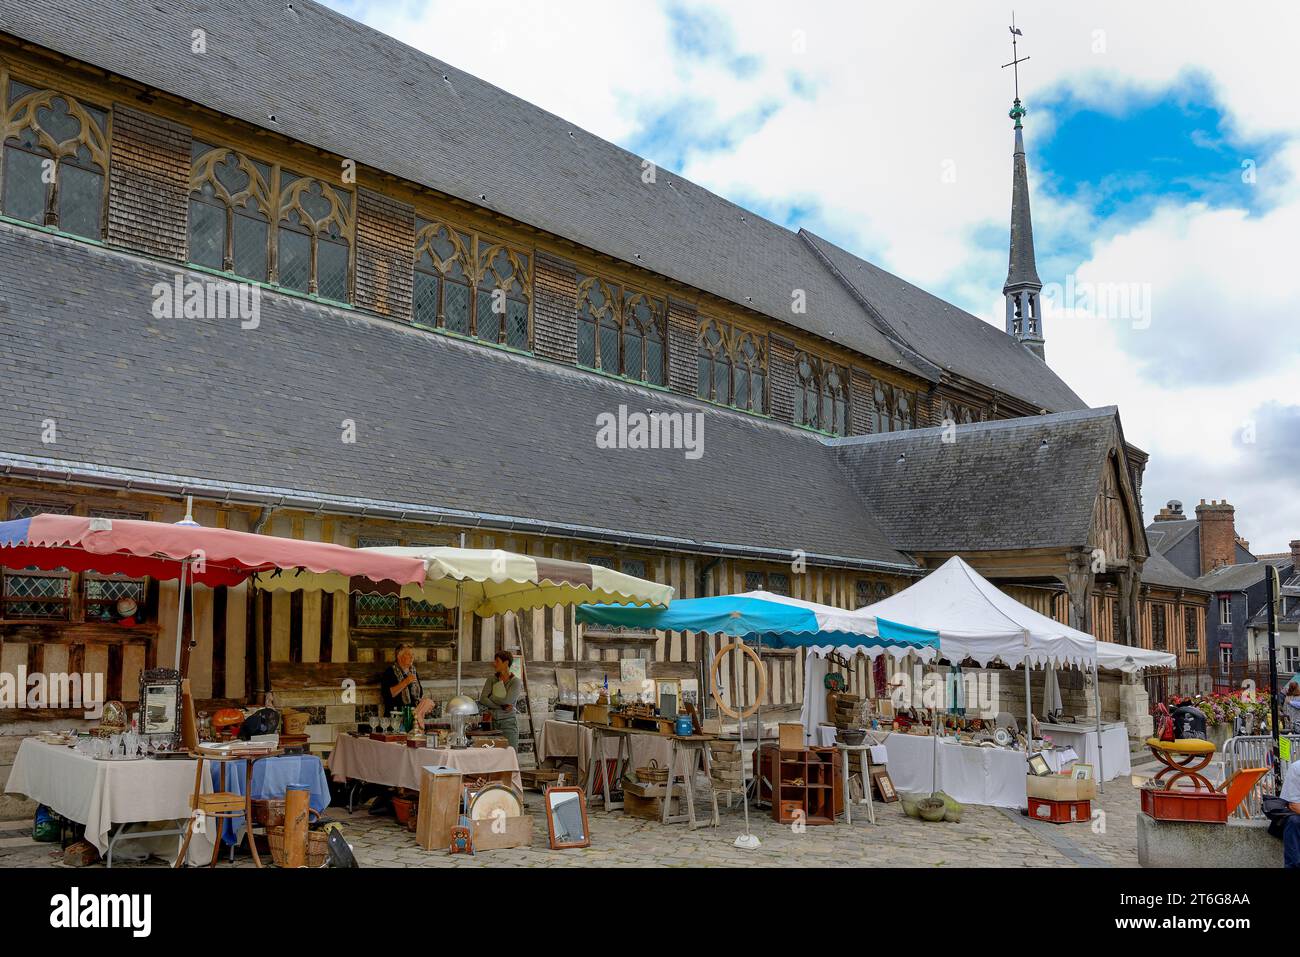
x,y
1172,512
1218,534
1295,556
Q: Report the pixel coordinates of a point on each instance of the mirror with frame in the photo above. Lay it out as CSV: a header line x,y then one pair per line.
x,y
160,706
566,818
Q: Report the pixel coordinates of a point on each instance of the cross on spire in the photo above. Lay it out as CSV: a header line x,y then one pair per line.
x,y
1017,111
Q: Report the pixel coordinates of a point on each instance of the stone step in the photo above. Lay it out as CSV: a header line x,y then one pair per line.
x,y
17,824
11,842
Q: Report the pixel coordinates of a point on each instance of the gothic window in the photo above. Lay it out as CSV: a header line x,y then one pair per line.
x,y
54,159
966,417
443,288
862,593
230,212
732,367
643,338
620,331
821,395
903,415
504,288
777,583
947,414
879,410
314,237
101,593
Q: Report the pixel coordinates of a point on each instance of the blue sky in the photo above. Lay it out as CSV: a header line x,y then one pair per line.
x,y
1163,144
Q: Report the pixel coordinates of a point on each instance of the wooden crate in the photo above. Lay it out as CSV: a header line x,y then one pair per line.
x,y
1060,812
1202,807
649,808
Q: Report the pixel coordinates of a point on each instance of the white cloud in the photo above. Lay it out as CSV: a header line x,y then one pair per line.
x,y
900,94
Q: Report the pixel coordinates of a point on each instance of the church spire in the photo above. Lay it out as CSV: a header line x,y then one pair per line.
x,y
1022,288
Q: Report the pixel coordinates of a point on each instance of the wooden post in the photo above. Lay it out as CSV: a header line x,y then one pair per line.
x,y
297,799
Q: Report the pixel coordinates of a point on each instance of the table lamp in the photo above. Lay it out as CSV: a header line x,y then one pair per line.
x,y
460,709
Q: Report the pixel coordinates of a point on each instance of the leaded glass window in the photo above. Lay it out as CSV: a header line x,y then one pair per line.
x,y
821,395
314,244
504,291
230,212
621,331
55,154
443,283
33,593
731,366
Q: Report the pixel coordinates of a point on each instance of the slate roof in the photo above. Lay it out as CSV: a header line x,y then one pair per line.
x,y
1233,577
340,86
1017,483
1158,570
439,422
953,339
1162,536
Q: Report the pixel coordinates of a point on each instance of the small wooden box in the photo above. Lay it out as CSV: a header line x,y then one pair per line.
x,y
596,713
518,833
791,737
1059,787
1060,812
647,808
790,811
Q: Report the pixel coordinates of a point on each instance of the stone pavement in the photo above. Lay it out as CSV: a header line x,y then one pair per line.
x,y
986,837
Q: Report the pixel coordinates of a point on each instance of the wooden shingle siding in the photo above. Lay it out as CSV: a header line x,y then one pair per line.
x,y
683,329
781,376
555,297
860,402
149,184
385,240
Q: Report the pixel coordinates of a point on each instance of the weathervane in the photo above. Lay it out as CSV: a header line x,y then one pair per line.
x,y
1017,111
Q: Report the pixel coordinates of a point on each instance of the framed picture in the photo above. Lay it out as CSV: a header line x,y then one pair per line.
x,y
1081,772
884,785
668,696
1038,765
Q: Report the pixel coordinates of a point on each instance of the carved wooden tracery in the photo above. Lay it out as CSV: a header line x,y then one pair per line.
x,y
821,398
43,127
230,212
731,366
314,237
621,331
471,285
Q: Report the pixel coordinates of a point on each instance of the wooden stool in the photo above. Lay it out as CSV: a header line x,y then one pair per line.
x,y
222,805
1183,758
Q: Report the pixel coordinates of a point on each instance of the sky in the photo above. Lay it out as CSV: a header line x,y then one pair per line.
x,y
1163,142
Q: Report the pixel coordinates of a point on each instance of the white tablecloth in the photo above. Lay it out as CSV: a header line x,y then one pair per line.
x,y
986,776
100,794
1083,739
394,764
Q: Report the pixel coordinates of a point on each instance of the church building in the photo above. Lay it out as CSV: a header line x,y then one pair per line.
x,y
336,289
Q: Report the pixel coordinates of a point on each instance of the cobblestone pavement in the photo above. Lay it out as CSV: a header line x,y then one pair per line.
x,y
985,837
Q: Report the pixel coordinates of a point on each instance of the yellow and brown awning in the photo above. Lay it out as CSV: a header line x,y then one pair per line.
x,y
488,581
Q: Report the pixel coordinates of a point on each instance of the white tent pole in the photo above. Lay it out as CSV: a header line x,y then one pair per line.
x,y
1029,713
1096,691
460,621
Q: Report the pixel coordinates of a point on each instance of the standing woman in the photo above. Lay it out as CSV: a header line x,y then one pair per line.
x,y
500,694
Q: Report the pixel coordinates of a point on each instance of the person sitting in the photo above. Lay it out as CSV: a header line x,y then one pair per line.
x,y
1291,826
400,688
500,694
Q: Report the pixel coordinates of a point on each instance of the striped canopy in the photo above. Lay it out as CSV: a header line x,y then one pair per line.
x,y
776,620
489,581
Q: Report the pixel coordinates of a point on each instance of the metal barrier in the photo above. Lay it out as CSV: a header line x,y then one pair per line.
x,y
1254,751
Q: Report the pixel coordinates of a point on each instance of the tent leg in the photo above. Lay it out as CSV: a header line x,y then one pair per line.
x,y
180,610
1101,765
460,627
1029,714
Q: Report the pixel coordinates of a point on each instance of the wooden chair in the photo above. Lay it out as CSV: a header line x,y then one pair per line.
x,y
221,805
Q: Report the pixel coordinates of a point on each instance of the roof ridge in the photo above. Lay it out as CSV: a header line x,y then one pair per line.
x,y
992,425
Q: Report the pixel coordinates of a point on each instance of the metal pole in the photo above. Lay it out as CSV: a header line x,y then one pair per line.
x,y
180,610
1101,765
460,621
1272,577
1029,713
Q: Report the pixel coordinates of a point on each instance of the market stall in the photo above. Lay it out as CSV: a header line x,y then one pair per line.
x,y
359,758
777,621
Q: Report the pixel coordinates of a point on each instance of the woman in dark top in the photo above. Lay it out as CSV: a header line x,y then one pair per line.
x,y
500,694
401,684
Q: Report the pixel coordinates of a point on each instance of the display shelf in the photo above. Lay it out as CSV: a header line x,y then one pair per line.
x,y
818,796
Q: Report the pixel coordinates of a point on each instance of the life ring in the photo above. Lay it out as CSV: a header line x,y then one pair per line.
x,y
725,708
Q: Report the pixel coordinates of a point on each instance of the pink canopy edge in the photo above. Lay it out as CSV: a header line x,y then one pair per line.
x,y
232,553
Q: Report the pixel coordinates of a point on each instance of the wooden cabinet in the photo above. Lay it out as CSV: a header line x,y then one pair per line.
x,y
806,782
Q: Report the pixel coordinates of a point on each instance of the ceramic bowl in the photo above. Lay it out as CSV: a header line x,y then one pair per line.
x,y
931,809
